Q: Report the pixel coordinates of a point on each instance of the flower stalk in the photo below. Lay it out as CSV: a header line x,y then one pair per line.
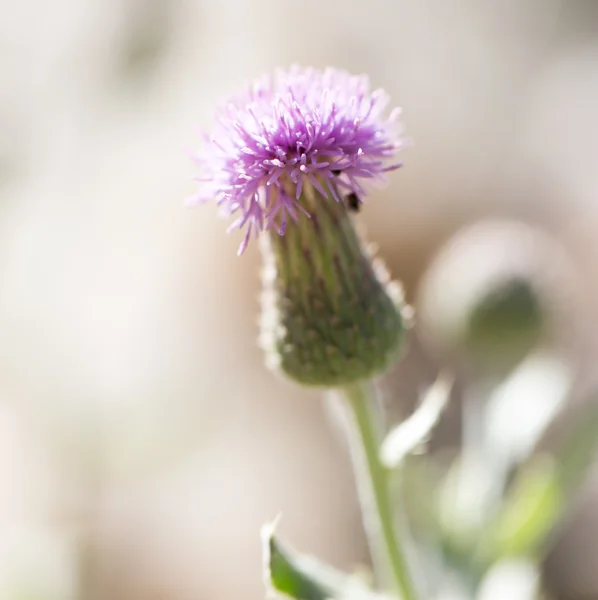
x,y
374,488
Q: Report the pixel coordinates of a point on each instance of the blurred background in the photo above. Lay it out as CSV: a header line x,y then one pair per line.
x,y
142,442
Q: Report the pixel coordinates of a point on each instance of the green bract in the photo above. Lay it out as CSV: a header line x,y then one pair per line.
x,y
330,314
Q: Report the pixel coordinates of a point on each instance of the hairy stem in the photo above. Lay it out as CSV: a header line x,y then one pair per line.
x,y
374,489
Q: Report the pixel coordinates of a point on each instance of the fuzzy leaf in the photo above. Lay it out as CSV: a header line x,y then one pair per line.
x,y
523,406
306,578
415,430
543,490
511,579
578,452
530,511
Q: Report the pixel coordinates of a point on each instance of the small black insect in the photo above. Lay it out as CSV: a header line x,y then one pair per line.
x,y
353,203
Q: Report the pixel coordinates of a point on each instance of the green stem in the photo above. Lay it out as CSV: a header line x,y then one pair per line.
x,y
374,489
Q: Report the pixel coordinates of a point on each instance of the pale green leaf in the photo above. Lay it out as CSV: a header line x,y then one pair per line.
x,y
524,405
416,429
530,511
306,578
578,452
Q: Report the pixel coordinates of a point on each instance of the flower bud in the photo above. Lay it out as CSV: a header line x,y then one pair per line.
x,y
330,315
497,291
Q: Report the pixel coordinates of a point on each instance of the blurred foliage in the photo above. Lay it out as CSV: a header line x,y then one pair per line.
x,y
528,513
508,319
306,578
482,526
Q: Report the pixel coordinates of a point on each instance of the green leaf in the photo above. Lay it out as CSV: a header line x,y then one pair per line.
x,y
414,431
521,408
577,453
543,489
306,578
530,511
511,578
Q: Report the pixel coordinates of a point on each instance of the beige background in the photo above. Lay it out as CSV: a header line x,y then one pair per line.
x,y
142,443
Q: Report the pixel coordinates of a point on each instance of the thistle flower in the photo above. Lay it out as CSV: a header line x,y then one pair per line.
x,y
302,128
284,156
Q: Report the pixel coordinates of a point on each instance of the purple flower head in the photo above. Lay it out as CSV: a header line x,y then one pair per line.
x,y
286,135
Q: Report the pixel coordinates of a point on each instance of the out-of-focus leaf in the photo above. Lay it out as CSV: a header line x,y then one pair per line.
x,y
461,506
306,578
577,453
542,490
463,495
419,480
530,511
415,430
522,407
511,580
